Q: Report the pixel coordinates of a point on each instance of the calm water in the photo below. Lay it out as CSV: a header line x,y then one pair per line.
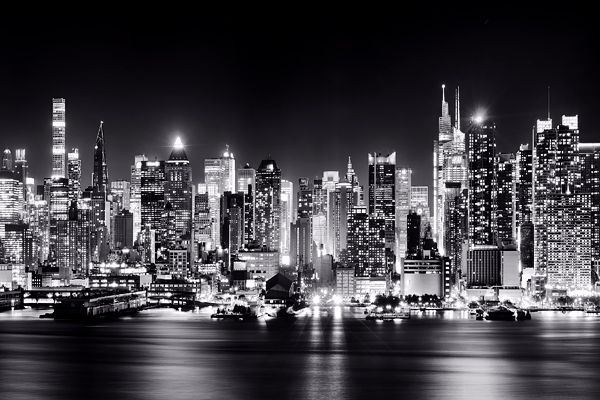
x,y
165,354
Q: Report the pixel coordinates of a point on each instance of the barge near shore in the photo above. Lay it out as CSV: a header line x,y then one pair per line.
x,y
100,303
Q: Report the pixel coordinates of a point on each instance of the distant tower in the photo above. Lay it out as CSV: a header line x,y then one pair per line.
x,y
58,138
100,174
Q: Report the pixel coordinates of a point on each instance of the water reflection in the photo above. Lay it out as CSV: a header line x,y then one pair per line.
x,y
330,353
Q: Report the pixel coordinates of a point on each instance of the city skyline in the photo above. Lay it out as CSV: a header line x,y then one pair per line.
x,y
358,83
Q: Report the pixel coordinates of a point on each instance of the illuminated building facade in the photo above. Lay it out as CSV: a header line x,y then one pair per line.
x,y
382,196
178,189
505,198
287,213
246,178
152,193
58,138
590,159
482,182
120,192
135,198
342,200
74,174
100,172
11,199
524,204
202,219
403,207
268,205
455,224
563,217
449,165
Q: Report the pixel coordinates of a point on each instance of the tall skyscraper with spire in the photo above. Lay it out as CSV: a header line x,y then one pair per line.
x,y
444,136
449,167
100,173
58,138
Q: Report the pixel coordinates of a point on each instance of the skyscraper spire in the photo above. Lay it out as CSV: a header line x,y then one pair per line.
x,y
100,173
350,172
445,123
443,93
457,108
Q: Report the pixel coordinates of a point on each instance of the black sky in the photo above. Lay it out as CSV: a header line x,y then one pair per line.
x,y
307,87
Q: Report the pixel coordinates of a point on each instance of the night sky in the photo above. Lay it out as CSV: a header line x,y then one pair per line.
x,y
309,88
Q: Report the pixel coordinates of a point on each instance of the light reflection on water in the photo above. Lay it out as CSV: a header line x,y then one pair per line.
x,y
330,353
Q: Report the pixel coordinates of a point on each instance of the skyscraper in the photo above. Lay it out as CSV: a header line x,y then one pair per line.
x,y
319,213
449,165
58,192
382,196
287,210
178,189
221,171
403,207
268,205
232,222
419,202
524,206
342,200
74,174
11,199
152,193
58,138
330,180
455,224
219,175
123,230
73,243
413,235
590,156
482,182
353,180
121,196
505,198
358,240
444,136
562,214
135,197
100,172
246,178
202,220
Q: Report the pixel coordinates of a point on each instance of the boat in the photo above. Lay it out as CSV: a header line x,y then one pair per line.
x,y
503,313
238,312
592,309
380,315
